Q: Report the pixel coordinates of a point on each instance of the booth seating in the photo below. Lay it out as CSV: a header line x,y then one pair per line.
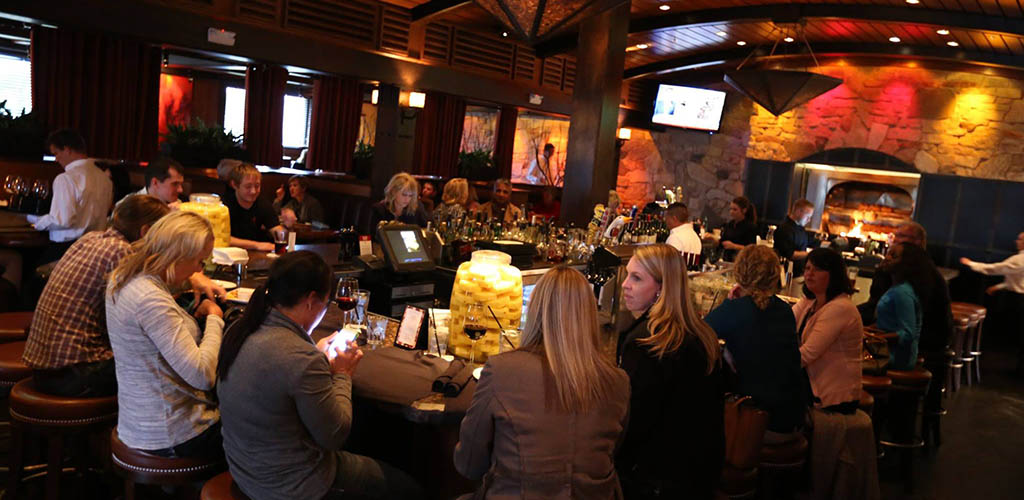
x,y
971,354
14,326
12,368
139,467
745,425
221,487
907,391
58,419
878,389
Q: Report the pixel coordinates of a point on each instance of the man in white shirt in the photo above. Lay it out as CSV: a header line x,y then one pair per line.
x,y
1012,270
681,234
82,195
165,181
537,172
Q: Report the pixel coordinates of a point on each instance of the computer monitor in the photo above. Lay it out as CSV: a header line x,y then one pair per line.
x,y
405,248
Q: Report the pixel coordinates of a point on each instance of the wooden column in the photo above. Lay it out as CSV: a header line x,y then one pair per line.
x,y
590,168
384,144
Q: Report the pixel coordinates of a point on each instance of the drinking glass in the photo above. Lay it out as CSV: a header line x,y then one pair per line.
x,y
345,297
475,326
280,241
376,331
362,303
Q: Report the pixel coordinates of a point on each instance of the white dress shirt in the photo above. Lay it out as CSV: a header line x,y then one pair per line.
x,y
1012,269
81,200
684,239
142,191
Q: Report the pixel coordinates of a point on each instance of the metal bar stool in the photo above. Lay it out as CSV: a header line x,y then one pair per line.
x,y
908,389
961,323
974,320
972,341
878,389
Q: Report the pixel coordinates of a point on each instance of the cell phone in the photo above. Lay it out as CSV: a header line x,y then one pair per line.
x,y
342,338
409,329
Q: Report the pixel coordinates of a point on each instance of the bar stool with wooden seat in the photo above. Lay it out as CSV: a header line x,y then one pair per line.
x,y
14,326
58,419
139,467
907,391
222,487
972,340
12,368
961,324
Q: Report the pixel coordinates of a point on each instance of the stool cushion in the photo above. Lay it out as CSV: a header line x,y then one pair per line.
x,y
34,407
221,487
977,309
12,368
792,453
875,383
918,377
15,325
142,467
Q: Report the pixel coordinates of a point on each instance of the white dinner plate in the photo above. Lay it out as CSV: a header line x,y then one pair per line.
x,y
240,295
227,285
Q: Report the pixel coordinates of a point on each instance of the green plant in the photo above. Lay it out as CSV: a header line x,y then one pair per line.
x,y
362,160
363,152
200,145
21,136
477,165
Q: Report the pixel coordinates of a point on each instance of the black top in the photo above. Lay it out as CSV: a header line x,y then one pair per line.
x,y
765,352
381,213
676,431
791,237
937,325
253,223
743,233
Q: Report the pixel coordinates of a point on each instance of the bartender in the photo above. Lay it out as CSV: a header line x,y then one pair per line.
x,y
499,207
741,230
1012,270
791,240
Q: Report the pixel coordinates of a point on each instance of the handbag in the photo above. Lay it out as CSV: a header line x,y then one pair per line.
x,y
875,356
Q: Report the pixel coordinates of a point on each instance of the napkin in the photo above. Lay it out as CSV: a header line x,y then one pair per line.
x,y
458,381
453,369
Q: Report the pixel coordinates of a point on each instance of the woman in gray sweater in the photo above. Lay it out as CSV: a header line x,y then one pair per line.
x,y
165,365
286,403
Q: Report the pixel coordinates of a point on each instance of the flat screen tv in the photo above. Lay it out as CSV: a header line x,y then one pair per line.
x,y
688,107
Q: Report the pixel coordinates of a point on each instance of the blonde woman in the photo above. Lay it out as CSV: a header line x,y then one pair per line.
x,y
545,418
759,331
401,202
165,364
453,200
674,447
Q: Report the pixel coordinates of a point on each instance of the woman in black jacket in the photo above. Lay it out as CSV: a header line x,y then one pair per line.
x,y
674,446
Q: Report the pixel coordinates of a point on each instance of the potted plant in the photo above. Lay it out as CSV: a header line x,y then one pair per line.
x,y
362,160
21,137
197,144
477,165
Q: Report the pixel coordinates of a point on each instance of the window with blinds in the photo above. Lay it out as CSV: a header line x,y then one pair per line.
x,y
16,84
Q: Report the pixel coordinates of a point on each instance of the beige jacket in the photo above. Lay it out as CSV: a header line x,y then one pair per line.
x,y
830,348
523,451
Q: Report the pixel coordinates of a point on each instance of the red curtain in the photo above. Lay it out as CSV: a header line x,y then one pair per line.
x,y
439,135
264,112
334,127
505,140
105,87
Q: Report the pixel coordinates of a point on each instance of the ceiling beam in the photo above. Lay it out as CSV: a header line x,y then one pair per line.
x,y
791,13
823,49
434,8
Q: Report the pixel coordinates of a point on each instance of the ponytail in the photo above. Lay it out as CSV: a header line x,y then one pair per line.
x,y
291,277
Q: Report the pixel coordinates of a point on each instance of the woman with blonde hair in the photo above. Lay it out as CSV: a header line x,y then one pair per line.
x,y
545,418
453,200
674,447
165,364
761,344
401,202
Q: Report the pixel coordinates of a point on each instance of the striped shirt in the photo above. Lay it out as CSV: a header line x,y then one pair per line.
x,y
70,322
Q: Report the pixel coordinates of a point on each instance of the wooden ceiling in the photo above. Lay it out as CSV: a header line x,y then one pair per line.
x,y
692,33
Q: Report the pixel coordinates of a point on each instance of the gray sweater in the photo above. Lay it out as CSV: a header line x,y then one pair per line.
x,y
284,414
164,366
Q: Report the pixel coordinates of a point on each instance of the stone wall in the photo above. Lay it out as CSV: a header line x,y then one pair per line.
x,y
959,123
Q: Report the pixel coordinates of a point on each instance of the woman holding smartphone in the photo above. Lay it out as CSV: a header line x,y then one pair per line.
x,y
286,403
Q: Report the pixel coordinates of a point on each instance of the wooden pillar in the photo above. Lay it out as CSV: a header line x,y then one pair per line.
x,y
590,168
384,145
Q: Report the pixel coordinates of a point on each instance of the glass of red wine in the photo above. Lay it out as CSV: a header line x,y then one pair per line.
x,y
345,296
475,326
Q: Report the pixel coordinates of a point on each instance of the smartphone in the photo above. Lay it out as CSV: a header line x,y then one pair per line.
x,y
342,338
409,329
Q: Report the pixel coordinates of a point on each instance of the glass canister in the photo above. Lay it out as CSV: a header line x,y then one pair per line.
x,y
489,279
209,205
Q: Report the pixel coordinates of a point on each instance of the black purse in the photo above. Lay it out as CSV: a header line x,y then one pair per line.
x,y
875,359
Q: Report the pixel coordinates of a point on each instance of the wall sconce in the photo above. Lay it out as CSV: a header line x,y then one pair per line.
x,y
625,134
417,99
374,94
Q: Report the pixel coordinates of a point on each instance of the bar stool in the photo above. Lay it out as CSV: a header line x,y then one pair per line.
x,y
878,388
974,321
972,341
780,466
221,487
12,368
139,467
908,388
14,326
58,419
745,425
961,323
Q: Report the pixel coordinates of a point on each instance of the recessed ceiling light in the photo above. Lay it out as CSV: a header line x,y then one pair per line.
x,y
951,43
721,33
664,7
504,34
741,43
788,39
642,46
913,2
942,32
894,39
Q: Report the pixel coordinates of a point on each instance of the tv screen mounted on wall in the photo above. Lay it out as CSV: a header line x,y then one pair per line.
x,y
688,107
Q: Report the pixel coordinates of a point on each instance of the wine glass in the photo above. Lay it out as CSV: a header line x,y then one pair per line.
x,y
345,296
475,326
